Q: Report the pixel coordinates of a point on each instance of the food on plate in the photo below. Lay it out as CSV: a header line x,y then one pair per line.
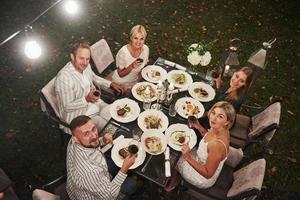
x,y
123,111
124,152
190,108
200,92
179,78
140,90
152,122
179,137
154,74
153,144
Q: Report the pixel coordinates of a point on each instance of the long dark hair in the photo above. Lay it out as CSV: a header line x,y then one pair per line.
x,y
236,94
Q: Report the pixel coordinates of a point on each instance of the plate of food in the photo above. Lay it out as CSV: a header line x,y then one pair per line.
x,y
124,110
187,106
120,151
153,120
143,89
180,134
179,78
154,73
202,91
154,143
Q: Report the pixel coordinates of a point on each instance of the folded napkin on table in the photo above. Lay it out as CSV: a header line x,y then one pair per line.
x,y
179,90
108,146
172,64
167,162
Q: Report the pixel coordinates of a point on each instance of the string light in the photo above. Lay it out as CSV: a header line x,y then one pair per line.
x,y
32,48
71,7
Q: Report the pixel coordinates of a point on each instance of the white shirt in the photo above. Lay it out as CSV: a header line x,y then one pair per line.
x,y
123,60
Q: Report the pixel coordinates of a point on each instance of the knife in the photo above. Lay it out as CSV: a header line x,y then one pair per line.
x,y
120,126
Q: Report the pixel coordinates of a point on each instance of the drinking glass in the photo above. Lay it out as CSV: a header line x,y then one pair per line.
x,y
191,120
137,133
133,147
209,77
146,104
172,110
97,93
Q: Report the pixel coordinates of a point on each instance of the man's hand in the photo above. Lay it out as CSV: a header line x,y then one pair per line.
x,y
107,138
128,162
116,87
91,97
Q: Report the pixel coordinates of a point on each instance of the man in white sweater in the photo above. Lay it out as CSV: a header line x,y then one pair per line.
x,y
88,175
75,87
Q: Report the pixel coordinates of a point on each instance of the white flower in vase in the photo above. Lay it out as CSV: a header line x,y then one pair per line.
x,y
199,54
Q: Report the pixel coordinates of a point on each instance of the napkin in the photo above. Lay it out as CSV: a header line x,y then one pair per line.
x,y
166,62
179,90
167,162
172,64
108,146
180,67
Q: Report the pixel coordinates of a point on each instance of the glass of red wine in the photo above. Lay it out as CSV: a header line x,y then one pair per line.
x,y
133,148
215,74
191,120
97,93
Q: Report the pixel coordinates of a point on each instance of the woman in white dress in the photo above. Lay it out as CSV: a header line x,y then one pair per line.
x,y
202,167
131,58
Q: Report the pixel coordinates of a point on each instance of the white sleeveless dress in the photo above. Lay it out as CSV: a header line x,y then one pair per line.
x,y
191,175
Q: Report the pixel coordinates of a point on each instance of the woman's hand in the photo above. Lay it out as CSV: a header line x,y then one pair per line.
x,y
186,151
218,82
136,64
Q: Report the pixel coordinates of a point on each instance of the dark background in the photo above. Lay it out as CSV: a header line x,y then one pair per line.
x,y
30,145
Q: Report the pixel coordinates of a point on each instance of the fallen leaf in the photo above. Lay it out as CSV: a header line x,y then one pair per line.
x,y
291,113
293,160
270,151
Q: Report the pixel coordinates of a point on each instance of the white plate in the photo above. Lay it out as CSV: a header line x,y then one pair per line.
x,y
183,129
185,84
123,143
199,85
184,112
130,115
159,136
140,97
164,122
148,73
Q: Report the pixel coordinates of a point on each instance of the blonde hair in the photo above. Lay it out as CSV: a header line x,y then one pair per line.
x,y
228,109
138,29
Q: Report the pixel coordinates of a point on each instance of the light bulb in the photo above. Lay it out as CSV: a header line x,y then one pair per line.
x,y
71,7
32,49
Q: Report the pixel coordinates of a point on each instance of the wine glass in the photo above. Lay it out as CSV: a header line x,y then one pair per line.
x,y
191,120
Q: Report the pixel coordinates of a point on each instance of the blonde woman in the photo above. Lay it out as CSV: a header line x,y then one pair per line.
x,y
131,58
202,167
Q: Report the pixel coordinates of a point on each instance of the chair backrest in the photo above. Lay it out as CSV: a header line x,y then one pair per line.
x,y
101,55
49,102
39,194
248,180
266,122
48,92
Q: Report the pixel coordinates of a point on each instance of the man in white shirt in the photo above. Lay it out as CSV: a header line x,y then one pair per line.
x,y
75,87
88,174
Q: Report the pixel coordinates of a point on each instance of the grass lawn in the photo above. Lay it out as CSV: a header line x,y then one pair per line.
x,y
30,147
